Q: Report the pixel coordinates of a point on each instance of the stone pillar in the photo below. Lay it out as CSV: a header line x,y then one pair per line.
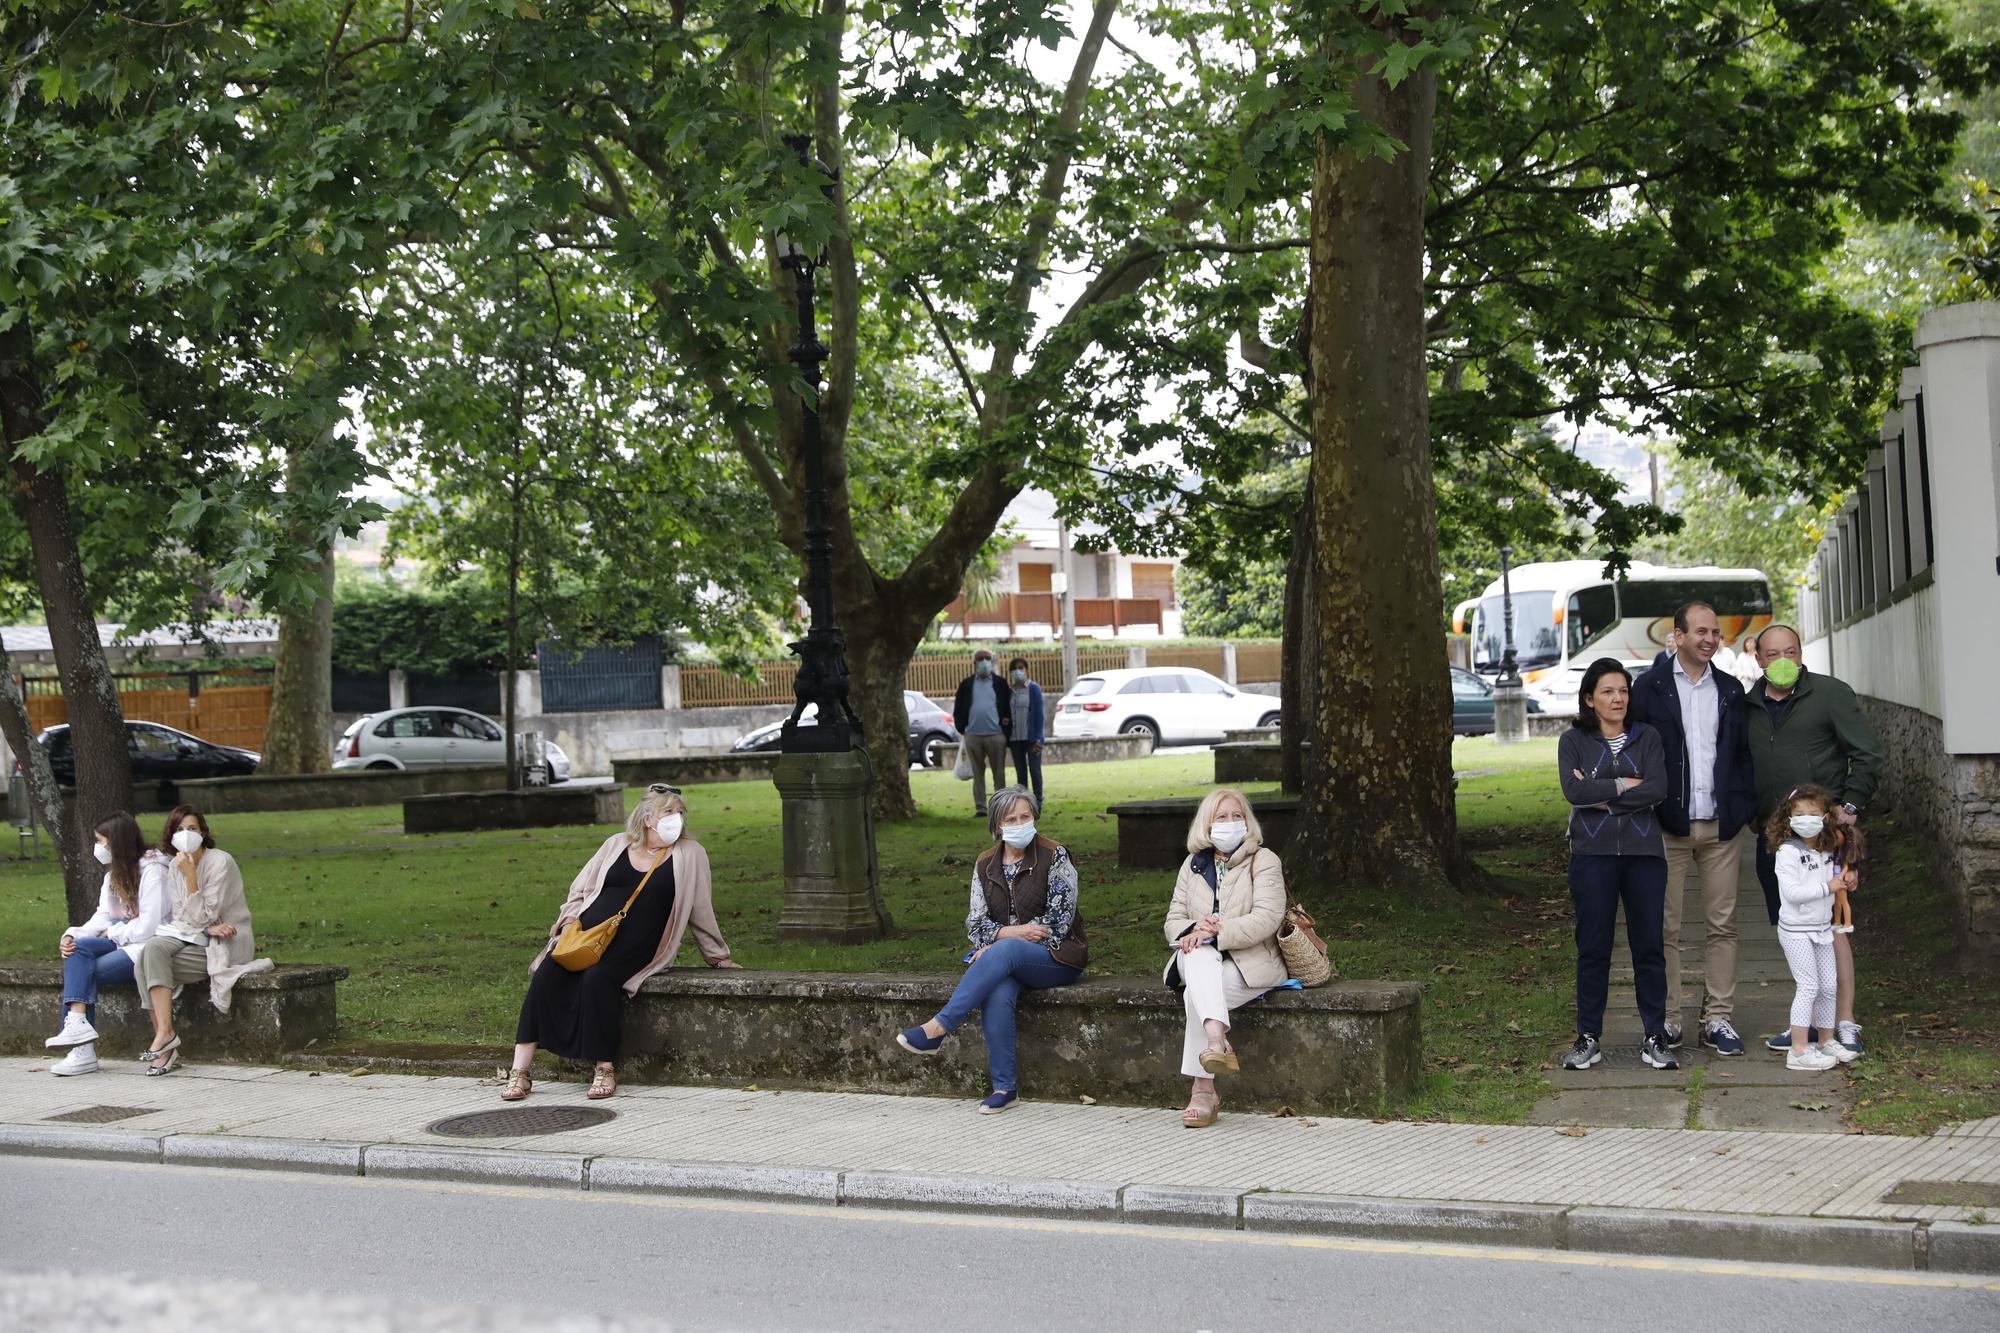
x,y
670,688
399,689
832,894
1135,657
1510,714
527,693
1229,662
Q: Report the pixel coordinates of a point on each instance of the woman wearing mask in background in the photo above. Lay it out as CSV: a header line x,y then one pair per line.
x,y
1025,935
659,880
206,936
104,951
1223,922
1025,740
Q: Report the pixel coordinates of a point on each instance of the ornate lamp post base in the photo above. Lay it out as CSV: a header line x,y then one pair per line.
x,y
832,890
1510,712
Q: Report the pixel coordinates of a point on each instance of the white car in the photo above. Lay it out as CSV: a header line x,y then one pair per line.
x,y
431,738
1174,705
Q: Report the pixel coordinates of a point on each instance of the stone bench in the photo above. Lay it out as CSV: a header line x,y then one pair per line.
x,y
1238,763
337,790
270,1013
1350,1046
1152,835
694,770
1238,735
531,807
1070,750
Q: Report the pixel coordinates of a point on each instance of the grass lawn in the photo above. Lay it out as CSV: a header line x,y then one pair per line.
x,y
437,931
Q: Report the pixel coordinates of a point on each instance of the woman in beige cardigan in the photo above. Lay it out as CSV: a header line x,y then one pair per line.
x,y
659,879
1229,901
206,936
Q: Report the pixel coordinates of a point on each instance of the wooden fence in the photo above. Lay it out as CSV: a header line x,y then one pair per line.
x,y
1258,663
1014,609
232,714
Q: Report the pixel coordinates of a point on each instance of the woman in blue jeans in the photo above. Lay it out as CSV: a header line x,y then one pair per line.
x,y
1025,935
1613,775
104,950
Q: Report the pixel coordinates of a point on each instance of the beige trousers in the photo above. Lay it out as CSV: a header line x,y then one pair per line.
x,y
1720,865
988,754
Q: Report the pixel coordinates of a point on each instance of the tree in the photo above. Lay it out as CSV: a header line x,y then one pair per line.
x,y
1243,600
1724,523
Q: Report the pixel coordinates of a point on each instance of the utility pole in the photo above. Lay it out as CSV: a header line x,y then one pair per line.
x,y
1067,592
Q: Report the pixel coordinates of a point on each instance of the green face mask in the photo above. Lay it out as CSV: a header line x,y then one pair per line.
x,y
1784,673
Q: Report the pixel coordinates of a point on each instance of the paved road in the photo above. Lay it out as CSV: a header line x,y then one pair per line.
x,y
711,1265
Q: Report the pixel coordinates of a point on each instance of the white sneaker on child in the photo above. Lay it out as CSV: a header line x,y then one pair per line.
x,y
1811,1060
76,1030
80,1060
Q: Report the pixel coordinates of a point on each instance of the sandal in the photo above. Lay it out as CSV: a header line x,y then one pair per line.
x,y
519,1084
603,1084
1202,1109
149,1054
165,1060
1220,1060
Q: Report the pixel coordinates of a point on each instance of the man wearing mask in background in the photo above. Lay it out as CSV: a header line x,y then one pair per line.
x,y
1808,728
983,714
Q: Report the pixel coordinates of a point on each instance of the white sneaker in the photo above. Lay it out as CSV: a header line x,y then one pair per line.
x,y
81,1059
76,1030
1811,1060
1840,1053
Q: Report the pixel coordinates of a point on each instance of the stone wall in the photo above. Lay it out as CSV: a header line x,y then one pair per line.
x,y
533,807
694,770
285,1009
1351,1046
1070,750
1954,801
1152,834
337,790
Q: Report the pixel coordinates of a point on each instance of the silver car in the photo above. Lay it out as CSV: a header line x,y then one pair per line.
x,y
431,737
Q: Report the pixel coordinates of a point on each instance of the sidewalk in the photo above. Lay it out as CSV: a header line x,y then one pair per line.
x,y
1877,1202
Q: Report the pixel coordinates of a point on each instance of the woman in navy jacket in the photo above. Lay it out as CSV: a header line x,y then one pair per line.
x,y
1025,740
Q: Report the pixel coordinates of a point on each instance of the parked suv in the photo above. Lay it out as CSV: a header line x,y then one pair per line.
x,y
431,737
1174,705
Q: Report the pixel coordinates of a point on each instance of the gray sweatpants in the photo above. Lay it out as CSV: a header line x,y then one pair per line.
x,y
166,961
988,753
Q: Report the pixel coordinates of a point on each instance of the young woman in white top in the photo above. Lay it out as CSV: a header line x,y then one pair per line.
x,y
104,951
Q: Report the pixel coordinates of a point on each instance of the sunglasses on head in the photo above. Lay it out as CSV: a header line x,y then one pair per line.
x,y
661,789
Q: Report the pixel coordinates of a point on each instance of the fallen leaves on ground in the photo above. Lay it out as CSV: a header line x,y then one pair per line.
x,y
1813,1106
1573,1132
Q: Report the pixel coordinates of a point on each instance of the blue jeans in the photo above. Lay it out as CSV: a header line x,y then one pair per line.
x,y
1027,766
97,963
1598,884
992,985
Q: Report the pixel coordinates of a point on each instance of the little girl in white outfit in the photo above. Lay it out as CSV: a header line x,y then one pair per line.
x,y
1808,843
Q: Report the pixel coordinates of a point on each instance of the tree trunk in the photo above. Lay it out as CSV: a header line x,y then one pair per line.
x,y
96,723
1296,649
881,639
34,760
1377,799
299,736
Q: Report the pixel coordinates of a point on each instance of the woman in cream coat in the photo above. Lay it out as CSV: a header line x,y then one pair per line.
x,y
660,879
1229,901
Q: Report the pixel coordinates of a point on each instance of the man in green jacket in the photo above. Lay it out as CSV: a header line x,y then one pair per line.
x,y
1805,727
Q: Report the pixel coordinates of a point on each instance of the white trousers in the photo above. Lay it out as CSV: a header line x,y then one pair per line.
x,y
1819,986
1214,987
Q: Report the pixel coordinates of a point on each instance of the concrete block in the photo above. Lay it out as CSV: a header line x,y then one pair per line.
x,y
1789,1240
1535,1225
78,1141
1960,1247
896,1189
1239,763
1152,834
484,1166
534,807
314,1155
1752,1106
342,789
694,770
271,1013
632,1175
1651,1108
1182,1205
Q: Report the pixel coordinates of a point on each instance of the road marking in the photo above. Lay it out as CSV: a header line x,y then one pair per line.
x,y
1763,1272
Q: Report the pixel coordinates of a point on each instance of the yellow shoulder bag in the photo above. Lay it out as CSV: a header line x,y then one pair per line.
x,y
579,948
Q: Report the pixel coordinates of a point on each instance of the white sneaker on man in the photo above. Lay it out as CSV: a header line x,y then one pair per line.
x,y
1840,1054
81,1059
1811,1060
76,1030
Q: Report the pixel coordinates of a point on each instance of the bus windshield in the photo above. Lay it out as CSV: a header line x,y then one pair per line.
x,y
1537,641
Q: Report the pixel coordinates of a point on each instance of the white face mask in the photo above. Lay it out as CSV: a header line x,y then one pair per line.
x,y
669,828
1018,835
188,840
1808,826
102,853
1228,834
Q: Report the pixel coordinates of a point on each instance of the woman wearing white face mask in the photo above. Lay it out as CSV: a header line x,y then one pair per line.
x,y
104,951
1229,901
1025,933
655,880
206,937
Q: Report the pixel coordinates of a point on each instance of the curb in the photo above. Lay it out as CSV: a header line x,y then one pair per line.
x,y
1944,1247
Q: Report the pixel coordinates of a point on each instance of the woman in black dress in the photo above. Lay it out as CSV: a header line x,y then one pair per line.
x,y
664,878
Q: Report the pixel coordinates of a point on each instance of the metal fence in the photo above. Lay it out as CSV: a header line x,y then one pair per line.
x,y
600,680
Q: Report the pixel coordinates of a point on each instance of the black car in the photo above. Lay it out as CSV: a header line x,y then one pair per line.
x,y
1472,704
930,728
161,756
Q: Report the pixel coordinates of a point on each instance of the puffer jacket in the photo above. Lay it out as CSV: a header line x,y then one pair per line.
x,y
1248,892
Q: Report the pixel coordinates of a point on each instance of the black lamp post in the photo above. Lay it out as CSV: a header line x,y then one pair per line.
x,y
1509,673
822,678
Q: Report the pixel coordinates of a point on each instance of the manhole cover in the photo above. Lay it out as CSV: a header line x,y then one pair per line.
x,y
527,1120
102,1115
1944,1194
